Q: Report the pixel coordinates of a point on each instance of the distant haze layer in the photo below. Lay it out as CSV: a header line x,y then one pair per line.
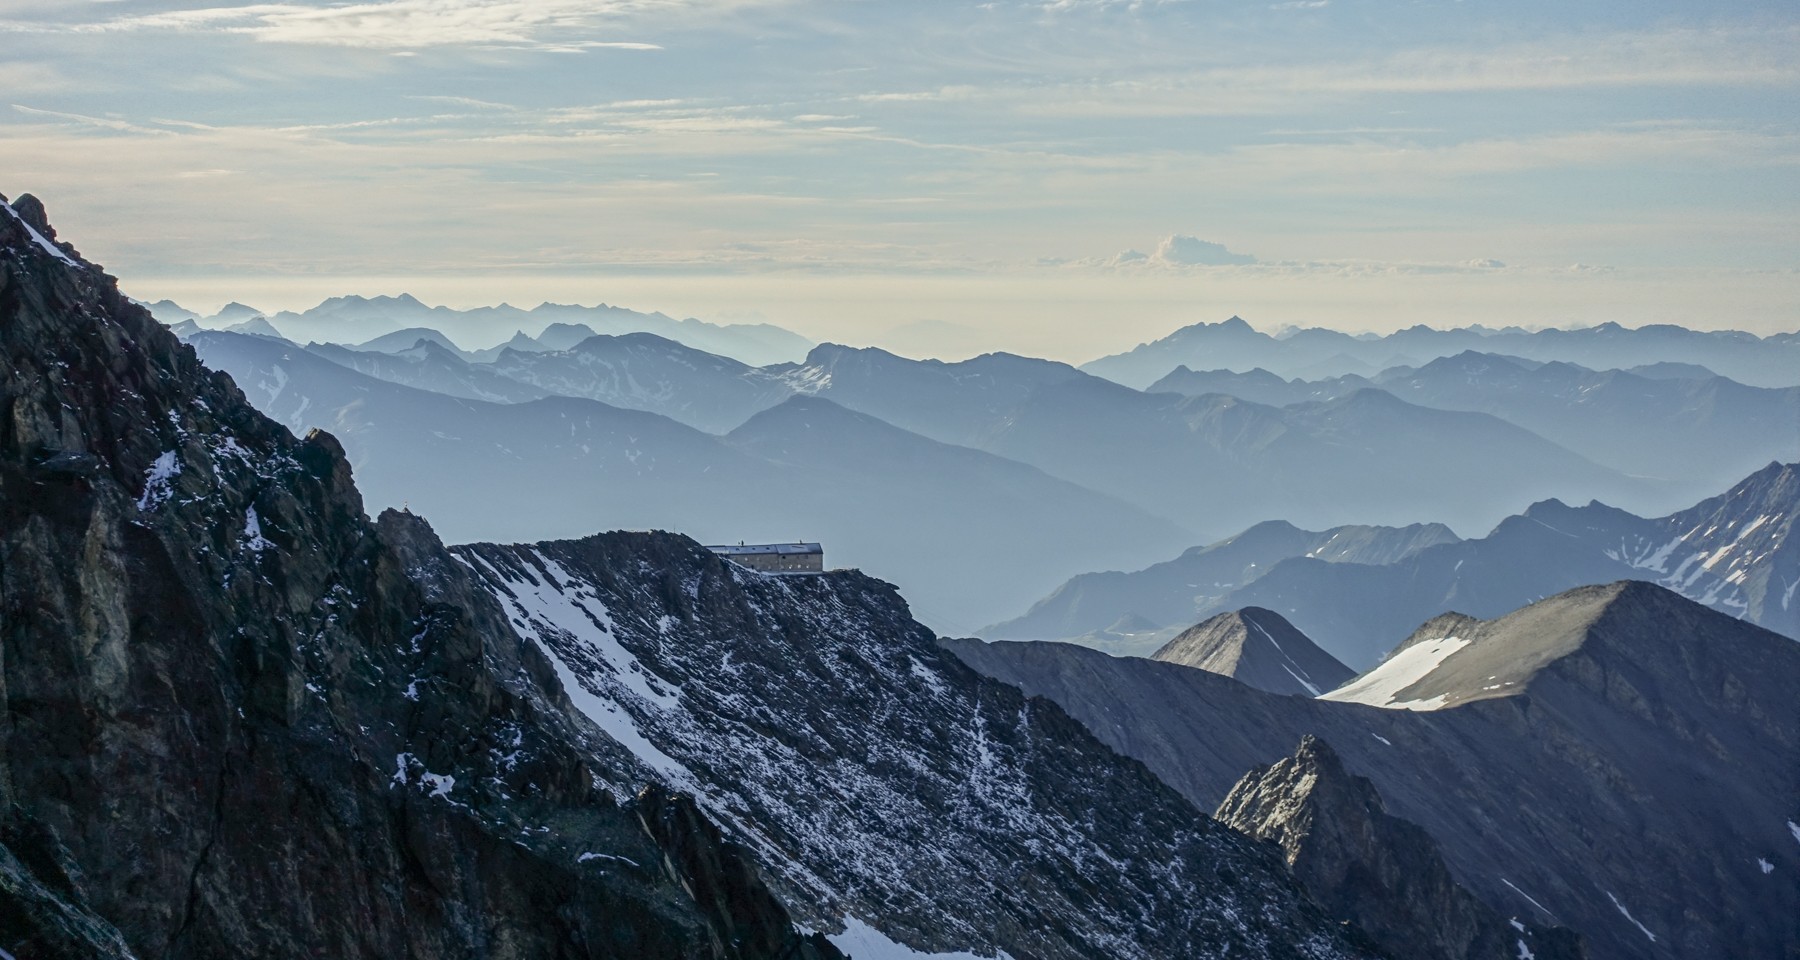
x,y
1053,315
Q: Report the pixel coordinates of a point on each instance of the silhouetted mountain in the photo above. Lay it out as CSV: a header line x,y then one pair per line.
x,y
256,327
1257,386
642,371
429,366
233,312
401,340
1704,433
1734,552
1194,585
959,528
938,522
1217,463
1316,353
1618,760
518,343
1698,434
360,319
1260,648
1673,370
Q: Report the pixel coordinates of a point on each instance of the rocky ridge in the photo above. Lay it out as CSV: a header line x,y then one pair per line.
x,y
1374,869
239,719
1632,777
883,783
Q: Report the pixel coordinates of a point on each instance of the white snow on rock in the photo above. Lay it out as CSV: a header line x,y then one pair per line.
x,y
577,613
157,489
38,238
253,538
1380,686
1627,914
863,942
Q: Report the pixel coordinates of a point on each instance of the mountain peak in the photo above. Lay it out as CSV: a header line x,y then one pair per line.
x,y
31,210
1385,874
1260,648
1629,628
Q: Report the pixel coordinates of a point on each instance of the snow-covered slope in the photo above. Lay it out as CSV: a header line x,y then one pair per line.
x,y
874,774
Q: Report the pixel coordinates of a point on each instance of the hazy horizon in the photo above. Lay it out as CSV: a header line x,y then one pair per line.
x,y
1061,178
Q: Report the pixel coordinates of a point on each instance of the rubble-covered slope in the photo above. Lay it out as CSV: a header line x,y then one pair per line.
x,y
238,719
881,782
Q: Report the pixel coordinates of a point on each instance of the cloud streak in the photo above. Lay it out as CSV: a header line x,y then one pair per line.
x,y
543,25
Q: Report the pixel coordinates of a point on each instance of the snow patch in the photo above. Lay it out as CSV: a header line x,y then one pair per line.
x,y
1380,686
38,238
863,942
1765,866
577,613
440,783
1382,739
157,488
584,858
1627,914
253,538
1308,684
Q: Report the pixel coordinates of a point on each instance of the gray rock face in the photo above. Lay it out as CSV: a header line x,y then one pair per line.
x,y
1380,872
239,719
1259,648
880,780
1645,762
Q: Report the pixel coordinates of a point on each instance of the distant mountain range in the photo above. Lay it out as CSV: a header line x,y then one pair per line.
x,y
366,320
1178,592
1217,463
1701,433
1616,759
969,534
1314,353
1735,552
242,719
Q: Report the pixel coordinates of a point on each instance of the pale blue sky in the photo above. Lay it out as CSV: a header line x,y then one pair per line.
x,y
939,177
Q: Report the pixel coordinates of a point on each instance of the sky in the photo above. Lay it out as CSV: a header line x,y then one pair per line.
x,y
1062,178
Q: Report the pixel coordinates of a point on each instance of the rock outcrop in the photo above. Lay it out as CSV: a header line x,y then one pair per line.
x,y
239,719
882,782
1366,866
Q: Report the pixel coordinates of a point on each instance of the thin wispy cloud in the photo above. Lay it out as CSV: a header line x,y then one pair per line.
x,y
547,25
1014,139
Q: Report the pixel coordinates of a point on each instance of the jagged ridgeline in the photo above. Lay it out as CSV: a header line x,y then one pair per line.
x,y
240,719
214,739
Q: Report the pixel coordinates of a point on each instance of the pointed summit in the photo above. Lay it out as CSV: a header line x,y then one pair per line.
x,y
1260,648
1626,641
1385,874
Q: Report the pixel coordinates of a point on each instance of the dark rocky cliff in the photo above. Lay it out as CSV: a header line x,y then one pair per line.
x,y
239,719
882,782
1380,872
